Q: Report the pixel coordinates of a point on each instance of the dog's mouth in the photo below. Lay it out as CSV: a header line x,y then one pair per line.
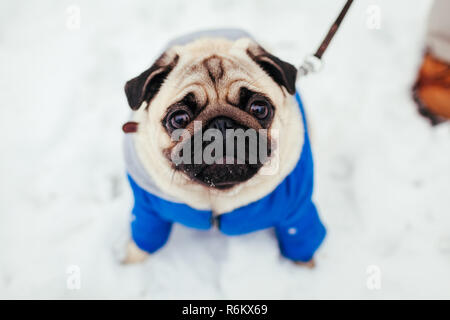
x,y
220,175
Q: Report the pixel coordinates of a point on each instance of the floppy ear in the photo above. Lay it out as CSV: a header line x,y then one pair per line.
x,y
145,86
280,71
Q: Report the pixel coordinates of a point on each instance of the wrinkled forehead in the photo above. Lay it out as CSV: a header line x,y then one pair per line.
x,y
216,68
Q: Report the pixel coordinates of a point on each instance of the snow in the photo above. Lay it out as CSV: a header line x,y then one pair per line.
x,y
382,172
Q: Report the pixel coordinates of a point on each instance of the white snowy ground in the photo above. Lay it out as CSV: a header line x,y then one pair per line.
x,y
382,173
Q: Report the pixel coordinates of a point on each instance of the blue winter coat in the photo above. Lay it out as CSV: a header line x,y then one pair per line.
x,y
289,209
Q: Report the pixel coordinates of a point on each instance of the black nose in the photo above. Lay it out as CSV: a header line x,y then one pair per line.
x,y
222,124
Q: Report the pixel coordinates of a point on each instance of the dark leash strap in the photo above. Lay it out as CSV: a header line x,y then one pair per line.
x,y
313,63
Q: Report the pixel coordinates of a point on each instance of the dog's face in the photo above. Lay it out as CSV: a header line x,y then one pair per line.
x,y
214,85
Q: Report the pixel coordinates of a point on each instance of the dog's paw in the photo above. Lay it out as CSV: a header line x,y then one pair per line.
x,y
311,264
133,254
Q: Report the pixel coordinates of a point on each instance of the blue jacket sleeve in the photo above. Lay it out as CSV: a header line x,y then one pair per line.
x,y
301,233
149,231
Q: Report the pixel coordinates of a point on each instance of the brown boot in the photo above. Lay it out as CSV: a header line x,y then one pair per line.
x,y
432,89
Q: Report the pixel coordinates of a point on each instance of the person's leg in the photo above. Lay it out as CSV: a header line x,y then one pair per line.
x,y
438,35
432,88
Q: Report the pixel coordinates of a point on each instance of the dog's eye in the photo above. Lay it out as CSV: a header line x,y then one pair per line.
x,y
259,109
179,119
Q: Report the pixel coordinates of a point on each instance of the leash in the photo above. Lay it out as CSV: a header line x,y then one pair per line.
x,y
313,63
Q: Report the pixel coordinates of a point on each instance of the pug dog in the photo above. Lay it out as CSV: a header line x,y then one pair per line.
x,y
207,86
